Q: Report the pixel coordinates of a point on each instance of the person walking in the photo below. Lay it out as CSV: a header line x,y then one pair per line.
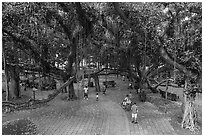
x,y
86,92
123,77
130,86
34,92
104,89
128,103
97,96
134,113
130,95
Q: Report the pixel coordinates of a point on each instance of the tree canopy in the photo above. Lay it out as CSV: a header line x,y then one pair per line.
x,y
140,39
48,37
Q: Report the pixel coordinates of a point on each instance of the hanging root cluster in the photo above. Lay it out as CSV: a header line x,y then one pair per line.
x,y
190,113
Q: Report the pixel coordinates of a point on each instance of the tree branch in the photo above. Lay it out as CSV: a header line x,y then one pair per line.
x,y
162,50
171,62
105,25
26,43
60,20
163,81
83,19
121,13
159,69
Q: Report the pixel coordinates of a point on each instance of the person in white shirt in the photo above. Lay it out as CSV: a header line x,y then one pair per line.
x,y
130,95
97,96
86,92
134,113
127,99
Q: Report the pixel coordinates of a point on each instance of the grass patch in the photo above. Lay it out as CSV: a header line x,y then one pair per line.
x,y
19,127
64,97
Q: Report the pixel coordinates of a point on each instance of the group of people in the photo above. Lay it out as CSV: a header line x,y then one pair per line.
x,y
97,95
128,105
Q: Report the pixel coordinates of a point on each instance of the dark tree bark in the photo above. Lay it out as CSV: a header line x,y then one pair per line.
x,y
15,87
87,27
69,68
97,83
188,107
83,20
72,94
89,80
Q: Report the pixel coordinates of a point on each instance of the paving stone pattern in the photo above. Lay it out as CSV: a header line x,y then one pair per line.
x,y
91,117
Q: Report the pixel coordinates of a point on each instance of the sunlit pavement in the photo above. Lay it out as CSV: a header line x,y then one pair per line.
x,y
82,117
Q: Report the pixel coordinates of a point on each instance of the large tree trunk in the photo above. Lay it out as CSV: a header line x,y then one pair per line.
x,y
69,68
72,94
89,80
189,114
96,79
189,96
15,87
188,117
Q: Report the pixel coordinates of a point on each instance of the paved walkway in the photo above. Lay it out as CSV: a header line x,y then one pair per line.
x,y
82,117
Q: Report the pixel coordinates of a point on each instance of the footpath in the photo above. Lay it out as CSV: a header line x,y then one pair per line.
x,y
91,117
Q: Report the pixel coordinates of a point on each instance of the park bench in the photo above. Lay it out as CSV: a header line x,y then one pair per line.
x,y
162,93
109,83
91,84
170,96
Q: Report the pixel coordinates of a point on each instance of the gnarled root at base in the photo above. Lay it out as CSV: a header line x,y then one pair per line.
x,y
190,114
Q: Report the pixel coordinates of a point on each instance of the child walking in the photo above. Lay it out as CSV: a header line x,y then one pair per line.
x,y
97,96
86,92
134,113
104,89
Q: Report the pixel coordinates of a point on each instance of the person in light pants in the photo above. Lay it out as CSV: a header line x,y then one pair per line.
x,y
134,113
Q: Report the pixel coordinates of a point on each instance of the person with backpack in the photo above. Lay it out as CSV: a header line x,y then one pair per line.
x,y
134,113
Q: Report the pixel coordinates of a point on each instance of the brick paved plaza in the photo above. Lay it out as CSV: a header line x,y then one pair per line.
x,y
91,117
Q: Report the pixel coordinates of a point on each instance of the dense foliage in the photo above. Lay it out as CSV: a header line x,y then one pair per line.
x,y
141,39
